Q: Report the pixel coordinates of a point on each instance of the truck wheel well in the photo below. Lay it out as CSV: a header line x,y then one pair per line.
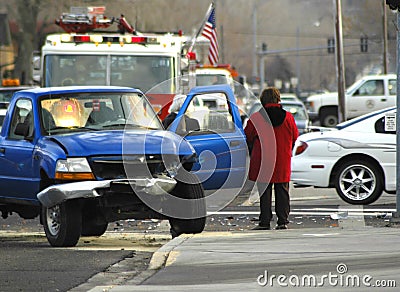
x,y
45,181
327,108
328,115
358,156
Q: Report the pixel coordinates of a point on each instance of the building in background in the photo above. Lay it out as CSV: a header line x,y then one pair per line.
x,y
6,49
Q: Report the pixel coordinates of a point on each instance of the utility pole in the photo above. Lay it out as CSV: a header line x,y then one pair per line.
x,y
254,16
385,40
340,62
298,61
395,5
396,215
262,72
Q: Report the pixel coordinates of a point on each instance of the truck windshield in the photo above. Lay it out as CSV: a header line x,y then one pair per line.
x,y
67,113
142,72
210,79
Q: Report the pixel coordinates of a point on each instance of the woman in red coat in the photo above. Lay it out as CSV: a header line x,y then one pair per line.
x,y
272,133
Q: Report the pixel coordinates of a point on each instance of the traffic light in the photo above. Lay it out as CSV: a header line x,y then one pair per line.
x,y
393,4
331,45
264,47
364,44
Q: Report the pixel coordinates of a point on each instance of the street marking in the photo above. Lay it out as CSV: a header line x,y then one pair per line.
x,y
346,209
317,212
320,235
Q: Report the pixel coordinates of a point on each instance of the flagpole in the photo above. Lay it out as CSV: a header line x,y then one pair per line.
x,y
201,27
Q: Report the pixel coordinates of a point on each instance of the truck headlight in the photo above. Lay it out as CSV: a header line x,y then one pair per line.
x,y
172,167
73,169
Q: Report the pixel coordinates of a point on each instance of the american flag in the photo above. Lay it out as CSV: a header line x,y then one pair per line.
x,y
210,32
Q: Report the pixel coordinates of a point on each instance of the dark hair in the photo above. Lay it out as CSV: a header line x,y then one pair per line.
x,y
270,95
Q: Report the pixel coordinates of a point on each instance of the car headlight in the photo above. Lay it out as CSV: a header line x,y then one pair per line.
x,y
73,169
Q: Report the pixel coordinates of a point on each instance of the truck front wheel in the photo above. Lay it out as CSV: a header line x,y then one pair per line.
x,y
191,189
62,224
328,117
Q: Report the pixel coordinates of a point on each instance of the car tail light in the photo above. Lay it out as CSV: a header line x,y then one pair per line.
x,y
301,147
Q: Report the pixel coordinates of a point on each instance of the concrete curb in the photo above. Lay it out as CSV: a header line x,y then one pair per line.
x,y
159,259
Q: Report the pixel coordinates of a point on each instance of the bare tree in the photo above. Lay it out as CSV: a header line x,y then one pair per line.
x,y
26,17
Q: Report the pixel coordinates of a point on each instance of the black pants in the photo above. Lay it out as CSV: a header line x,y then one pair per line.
x,y
282,202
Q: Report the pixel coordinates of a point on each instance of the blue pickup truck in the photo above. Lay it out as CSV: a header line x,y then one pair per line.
x,y
82,157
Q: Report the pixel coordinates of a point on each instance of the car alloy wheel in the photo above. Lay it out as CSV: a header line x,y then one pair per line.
x,y
359,182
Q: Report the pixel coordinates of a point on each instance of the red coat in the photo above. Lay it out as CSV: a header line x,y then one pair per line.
x,y
272,139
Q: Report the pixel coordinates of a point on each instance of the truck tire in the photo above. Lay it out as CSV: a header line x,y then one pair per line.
x,y
189,187
359,182
89,228
62,223
328,117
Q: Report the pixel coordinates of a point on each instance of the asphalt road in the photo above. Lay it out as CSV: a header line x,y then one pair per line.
x,y
28,263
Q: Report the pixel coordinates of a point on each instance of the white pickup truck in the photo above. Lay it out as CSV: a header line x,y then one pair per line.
x,y
370,93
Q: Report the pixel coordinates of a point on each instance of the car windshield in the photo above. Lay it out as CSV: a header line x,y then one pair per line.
x,y
290,97
65,113
297,110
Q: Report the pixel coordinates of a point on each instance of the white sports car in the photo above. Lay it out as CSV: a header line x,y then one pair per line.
x,y
358,158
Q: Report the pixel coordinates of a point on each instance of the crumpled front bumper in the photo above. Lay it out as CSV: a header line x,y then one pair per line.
x,y
57,194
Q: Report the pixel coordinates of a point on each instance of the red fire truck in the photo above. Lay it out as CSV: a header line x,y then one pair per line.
x,y
82,56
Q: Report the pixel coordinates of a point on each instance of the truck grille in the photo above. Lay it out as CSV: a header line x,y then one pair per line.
x,y
115,167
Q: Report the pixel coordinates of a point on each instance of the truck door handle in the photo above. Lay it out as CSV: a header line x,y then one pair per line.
x,y
2,150
383,99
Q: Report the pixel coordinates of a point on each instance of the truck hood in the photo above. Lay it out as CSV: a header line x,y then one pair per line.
x,y
122,142
322,96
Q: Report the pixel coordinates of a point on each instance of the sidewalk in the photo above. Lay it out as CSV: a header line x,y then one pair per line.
x,y
254,260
